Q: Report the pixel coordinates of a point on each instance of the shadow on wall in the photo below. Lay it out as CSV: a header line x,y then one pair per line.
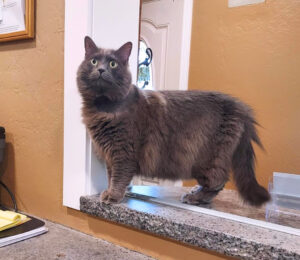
x,y
17,45
7,173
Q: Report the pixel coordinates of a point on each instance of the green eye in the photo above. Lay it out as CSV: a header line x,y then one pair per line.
x,y
113,64
94,62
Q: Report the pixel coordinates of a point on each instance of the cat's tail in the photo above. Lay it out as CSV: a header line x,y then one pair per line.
x,y
243,164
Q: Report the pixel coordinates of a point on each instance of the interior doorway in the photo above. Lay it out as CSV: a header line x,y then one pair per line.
x,y
165,33
165,28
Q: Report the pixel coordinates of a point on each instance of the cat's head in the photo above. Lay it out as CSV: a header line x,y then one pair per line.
x,y
104,72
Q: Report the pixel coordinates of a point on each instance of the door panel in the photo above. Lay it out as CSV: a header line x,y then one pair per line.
x,y
156,38
162,30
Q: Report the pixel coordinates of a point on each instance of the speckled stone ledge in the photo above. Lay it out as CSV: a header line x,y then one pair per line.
x,y
213,233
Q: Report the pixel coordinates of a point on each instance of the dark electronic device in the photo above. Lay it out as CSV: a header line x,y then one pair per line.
x,y
2,150
2,143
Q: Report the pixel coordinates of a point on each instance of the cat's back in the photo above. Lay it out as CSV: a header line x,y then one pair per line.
x,y
195,97
190,104
207,102
184,99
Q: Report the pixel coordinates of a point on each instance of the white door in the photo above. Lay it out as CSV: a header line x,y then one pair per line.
x,y
166,29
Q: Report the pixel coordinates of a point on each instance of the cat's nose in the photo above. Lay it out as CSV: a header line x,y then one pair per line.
x,y
101,71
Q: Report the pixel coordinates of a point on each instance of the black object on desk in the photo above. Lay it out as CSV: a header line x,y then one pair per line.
x,y
2,150
2,143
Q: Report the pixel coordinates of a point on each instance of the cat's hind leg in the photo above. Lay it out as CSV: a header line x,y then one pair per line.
x,y
213,177
204,193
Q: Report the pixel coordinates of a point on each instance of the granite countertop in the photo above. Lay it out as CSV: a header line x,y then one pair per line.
x,y
224,236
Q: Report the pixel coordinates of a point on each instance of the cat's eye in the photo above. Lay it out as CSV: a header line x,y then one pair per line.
x,y
113,64
94,62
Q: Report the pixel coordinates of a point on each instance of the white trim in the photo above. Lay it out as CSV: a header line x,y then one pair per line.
x,y
186,44
115,22
77,25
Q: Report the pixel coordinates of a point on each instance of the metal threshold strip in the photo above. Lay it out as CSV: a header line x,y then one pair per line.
x,y
215,213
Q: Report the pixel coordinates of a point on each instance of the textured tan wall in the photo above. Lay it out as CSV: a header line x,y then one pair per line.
x,y
253,53
31,109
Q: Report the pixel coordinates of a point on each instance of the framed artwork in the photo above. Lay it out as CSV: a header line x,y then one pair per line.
x,y
16,20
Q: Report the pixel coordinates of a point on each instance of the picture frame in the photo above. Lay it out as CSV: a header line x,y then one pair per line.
x,y
24,29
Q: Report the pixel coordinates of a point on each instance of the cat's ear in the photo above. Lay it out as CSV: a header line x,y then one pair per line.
x,y
90,46
124,52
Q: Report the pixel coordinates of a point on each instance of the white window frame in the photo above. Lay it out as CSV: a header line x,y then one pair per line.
x,y
83,173
186,44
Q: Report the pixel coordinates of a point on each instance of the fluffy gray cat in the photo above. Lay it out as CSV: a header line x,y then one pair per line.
x,y
165,134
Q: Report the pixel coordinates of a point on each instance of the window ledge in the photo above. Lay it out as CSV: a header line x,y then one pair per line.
x,y
224,236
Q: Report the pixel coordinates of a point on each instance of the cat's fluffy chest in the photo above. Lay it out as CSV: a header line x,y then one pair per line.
x,y
109,133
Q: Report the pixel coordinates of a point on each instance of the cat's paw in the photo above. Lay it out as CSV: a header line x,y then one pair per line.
x,y
196,189
108,197
190,198
103,196
196,196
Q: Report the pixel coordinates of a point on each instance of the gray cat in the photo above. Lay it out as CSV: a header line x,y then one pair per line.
x,y
165,134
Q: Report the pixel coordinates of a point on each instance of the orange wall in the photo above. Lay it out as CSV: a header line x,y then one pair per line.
x,y
31,109
253,52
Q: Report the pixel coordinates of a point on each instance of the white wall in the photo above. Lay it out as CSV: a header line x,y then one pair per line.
x,y
110,24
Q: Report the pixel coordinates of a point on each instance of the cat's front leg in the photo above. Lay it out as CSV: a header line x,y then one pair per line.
x,y
120,176
104,194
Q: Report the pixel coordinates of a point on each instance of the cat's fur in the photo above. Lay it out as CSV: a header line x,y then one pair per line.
x,y
165,134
